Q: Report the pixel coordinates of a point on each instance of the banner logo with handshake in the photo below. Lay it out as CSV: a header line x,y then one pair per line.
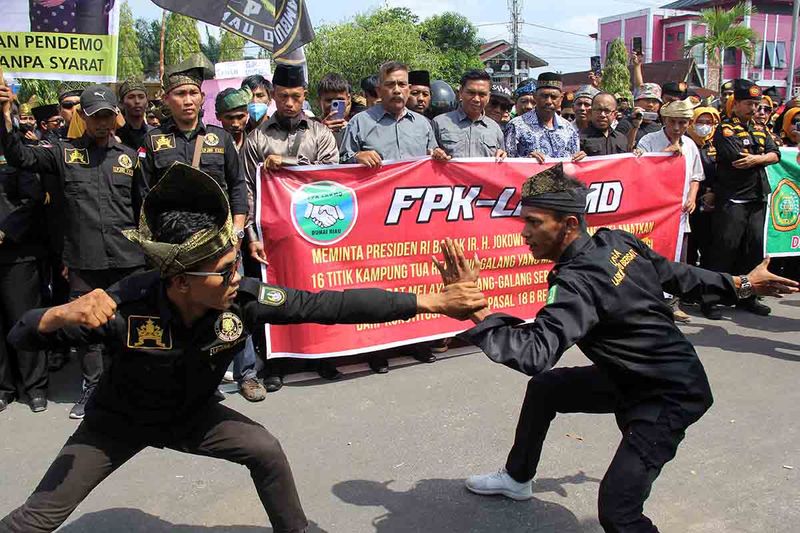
x,y
324,212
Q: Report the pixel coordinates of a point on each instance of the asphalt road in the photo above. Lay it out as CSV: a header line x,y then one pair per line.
x,y
389,453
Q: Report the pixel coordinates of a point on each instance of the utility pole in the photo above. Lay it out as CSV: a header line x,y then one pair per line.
x,y
515,6
792,62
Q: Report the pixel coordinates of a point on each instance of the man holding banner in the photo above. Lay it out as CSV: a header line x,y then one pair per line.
x,y
606,296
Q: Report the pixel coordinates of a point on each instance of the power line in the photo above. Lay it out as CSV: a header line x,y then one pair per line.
x,y
556,29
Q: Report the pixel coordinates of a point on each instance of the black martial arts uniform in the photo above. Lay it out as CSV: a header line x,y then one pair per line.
x,y
606,296
160,389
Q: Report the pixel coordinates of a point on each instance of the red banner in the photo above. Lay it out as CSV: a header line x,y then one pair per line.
x,y
346,226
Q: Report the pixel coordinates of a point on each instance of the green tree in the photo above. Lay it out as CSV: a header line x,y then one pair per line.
x,y
723,31
450,31
211,47
46,91
149,33
616,75
129,63
231,47
358,47
182,38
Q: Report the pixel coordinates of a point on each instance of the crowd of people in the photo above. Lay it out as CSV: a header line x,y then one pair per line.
x,y
104,183
75,173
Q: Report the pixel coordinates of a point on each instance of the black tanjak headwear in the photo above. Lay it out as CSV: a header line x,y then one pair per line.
x,y
288,76
419,77
550,189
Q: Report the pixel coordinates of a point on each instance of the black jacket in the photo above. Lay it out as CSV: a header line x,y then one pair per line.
x,y
594,142
21,210
606,296
731,139
97,183
163,372
167,144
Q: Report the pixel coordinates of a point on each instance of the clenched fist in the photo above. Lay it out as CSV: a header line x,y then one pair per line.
x,y
91,310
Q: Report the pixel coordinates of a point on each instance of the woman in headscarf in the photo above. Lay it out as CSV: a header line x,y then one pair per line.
x,y
762,117
704,124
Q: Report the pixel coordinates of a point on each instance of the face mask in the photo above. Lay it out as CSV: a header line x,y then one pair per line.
x,y
703,130
257,110
25,127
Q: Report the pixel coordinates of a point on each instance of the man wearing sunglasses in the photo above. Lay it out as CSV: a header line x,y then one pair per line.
x,y
69,96
501,102
173,332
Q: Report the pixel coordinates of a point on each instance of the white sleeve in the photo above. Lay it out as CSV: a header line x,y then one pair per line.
x,y
695,166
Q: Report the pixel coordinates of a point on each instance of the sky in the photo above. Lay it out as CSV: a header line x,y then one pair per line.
x,y
564,47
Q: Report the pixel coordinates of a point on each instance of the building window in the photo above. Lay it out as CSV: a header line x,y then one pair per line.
x,y
730,56
775,56
699,54
680,37
670,37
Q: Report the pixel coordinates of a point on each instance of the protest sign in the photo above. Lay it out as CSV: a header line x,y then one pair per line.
x,y
347,226
74,40
242,69
781,231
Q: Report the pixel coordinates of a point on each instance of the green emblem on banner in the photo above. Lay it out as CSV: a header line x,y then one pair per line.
x,y
785,206
324,212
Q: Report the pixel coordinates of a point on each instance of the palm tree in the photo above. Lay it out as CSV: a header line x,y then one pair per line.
x,y
723,31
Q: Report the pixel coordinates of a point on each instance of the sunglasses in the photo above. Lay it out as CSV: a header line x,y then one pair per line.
x,y
567,116
502,105
68,105
58,120
764,109
226,274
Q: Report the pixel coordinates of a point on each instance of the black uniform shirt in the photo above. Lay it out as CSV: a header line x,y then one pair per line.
x,y
731,139
167,144
625,125
595,142
21,210
606,296
97,183
163,373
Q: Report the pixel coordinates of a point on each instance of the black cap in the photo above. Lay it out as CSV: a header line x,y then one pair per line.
x,y
288,76
677,89
745,90
772,92
96,98
550,80
43,113
419,77
502,92
727,86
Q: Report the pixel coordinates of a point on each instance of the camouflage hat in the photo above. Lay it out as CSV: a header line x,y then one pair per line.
x,y
232,99
170,194
587,91
130,85
71,88
192,71
648,91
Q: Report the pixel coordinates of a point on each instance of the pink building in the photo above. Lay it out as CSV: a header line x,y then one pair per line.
x,y
662,33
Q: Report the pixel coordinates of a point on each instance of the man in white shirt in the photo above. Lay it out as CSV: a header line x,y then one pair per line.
x,y
677,117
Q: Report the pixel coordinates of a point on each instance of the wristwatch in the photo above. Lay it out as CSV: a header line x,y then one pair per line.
x,y
746,288
239,234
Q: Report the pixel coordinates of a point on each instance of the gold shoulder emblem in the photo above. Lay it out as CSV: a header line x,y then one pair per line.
x,y
228,327
78,156
146,333
271,295
163,142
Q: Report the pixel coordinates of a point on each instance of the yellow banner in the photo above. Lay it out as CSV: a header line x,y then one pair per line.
x,y
59,56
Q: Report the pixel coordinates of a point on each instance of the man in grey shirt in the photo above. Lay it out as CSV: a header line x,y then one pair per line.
x,y
388,131
467,131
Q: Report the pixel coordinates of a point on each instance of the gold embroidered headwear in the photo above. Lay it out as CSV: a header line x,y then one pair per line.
x,y
184,188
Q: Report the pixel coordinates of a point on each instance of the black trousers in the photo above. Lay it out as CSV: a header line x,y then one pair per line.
x,y
644,449
737,237
89,456
20,290
80,283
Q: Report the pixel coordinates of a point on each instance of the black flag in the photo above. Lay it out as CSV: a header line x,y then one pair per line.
x,y
280,26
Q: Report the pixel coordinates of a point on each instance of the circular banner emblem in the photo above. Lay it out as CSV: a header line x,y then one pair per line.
x,y
324,212
785,206
211,139
228,327
125,161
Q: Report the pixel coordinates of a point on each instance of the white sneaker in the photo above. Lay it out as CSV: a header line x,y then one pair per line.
x,y
500,483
